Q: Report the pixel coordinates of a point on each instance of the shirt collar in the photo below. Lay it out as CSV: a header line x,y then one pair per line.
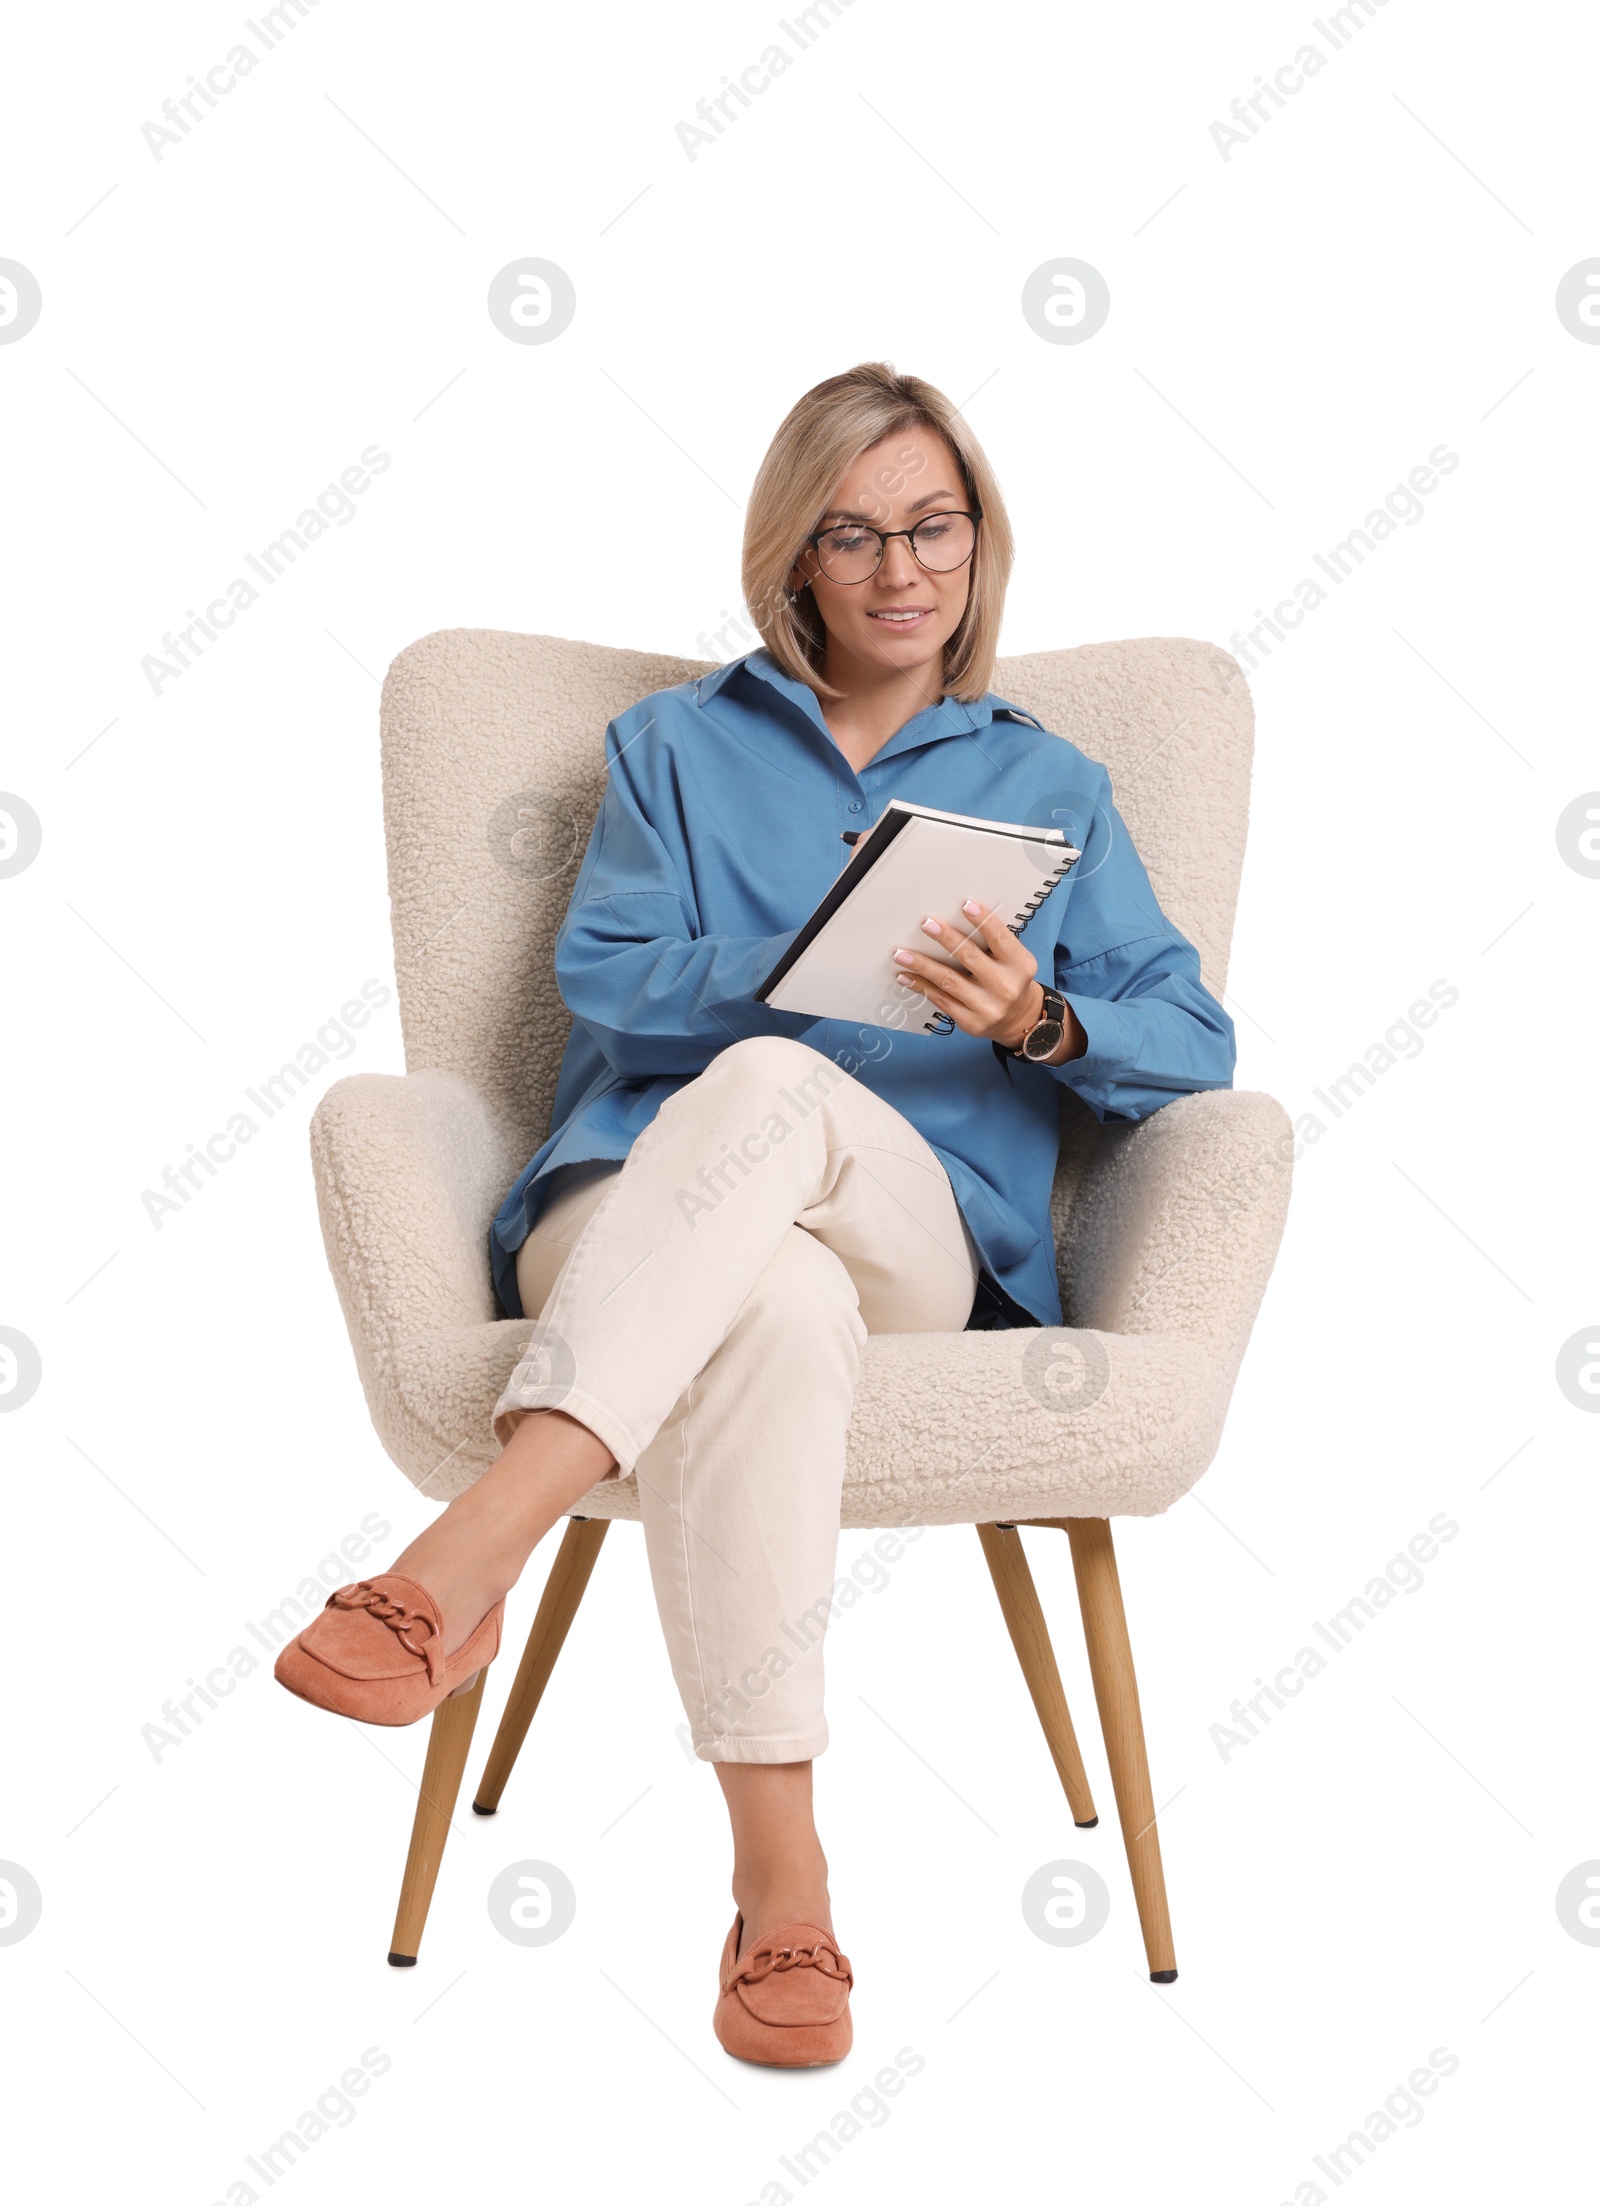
x,y
950,716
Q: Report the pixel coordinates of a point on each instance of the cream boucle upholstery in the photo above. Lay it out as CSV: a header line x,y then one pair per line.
x,y
1166,1231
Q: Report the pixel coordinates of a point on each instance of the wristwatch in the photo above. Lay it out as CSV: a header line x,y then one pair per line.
x,y
1043,1038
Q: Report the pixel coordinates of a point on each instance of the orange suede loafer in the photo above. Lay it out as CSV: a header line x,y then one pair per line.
x,y
376,1652
786,2002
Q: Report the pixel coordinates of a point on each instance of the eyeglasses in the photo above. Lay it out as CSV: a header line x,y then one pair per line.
x,y
852,552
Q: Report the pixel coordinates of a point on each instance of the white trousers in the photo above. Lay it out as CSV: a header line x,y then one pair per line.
x,y
701,1309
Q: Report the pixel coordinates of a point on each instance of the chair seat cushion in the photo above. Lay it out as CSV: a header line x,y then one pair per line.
x,y
948,1428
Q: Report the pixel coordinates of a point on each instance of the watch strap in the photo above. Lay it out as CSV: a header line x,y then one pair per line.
x,y
1054,1013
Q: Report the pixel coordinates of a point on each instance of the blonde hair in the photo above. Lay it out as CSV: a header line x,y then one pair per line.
x,y
822,435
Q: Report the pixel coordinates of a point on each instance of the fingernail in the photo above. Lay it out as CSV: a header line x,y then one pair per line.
x,y
932,926
902,957
970,906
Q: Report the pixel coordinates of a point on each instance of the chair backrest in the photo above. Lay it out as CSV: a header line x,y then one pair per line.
x,y
493,767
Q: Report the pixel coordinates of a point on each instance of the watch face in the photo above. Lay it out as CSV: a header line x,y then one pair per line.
x,y
1043,1040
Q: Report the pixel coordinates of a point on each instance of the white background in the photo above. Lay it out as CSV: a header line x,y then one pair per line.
x,y
1291,333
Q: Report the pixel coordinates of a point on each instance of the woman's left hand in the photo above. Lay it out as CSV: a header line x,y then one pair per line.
x,y
994,994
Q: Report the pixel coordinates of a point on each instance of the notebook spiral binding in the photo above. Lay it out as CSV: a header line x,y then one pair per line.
x,y
1069,860
941,1022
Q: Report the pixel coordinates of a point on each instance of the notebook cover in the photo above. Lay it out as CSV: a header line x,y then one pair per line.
x,y
915,863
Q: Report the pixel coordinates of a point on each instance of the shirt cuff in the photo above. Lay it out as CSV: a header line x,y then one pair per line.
x,y
1112,1043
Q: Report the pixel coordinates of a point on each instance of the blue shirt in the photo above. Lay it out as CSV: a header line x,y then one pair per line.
x,y
719,833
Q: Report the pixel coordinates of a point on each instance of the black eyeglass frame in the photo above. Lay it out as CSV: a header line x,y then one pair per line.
x,y
885,536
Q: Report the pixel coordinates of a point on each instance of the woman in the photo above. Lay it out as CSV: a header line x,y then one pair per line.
x,y
734,1197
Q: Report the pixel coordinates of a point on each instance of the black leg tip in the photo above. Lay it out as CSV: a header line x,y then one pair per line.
x,y
402,1960
1163,1976
1089,1826
482,1811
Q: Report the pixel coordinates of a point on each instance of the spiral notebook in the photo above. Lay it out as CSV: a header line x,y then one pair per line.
x,y
913,864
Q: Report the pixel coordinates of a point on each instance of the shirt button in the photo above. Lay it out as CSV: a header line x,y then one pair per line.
x,y
855,804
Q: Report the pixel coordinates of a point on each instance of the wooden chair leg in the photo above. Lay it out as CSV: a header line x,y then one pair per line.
x,y
448,1741
1116,1692
1019,1605
563,1590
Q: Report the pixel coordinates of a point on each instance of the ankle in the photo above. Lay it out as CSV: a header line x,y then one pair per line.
x,y
795,1891
464,1547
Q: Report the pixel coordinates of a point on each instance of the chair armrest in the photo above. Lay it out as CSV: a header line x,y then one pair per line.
x,y
410,1170
1175,1221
